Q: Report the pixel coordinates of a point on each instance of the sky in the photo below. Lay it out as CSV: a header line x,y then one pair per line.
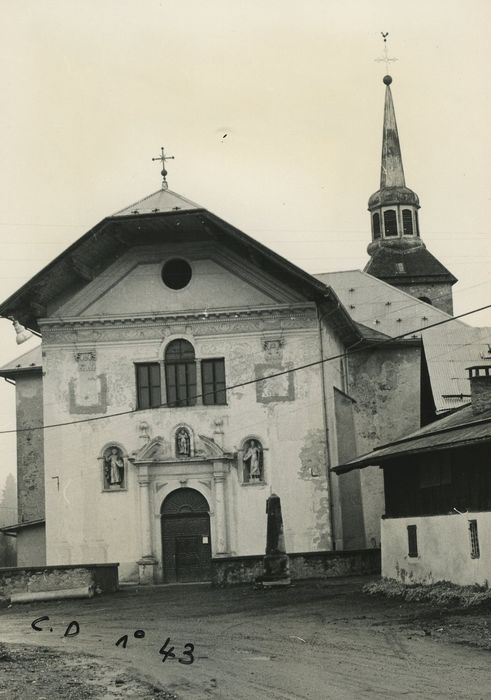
x,y
273,111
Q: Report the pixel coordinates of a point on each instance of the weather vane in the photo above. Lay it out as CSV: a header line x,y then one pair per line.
x,y
385,58
162,159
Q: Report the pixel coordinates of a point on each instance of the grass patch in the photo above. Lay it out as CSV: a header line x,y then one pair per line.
x,y
442,594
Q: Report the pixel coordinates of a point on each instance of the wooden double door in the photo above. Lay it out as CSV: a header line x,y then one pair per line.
x,y
186,541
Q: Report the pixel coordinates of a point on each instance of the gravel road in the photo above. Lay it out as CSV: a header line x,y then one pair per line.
x,y
315,640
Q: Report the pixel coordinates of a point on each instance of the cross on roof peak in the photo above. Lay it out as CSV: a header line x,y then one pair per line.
x,y
162,159
385,58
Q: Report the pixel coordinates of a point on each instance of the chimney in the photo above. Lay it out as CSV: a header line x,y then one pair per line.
x,y
480,379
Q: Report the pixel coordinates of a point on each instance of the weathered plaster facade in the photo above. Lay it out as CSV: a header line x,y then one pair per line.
x,y
385,386
112,467
439,294
90,350
30,447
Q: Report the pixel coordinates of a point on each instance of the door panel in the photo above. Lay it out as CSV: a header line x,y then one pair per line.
x,y
186,547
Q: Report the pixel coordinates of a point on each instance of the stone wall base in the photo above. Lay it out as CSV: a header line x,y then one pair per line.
x,y
227,571
103,578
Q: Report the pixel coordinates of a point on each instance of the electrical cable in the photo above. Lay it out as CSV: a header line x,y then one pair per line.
x,y
298,368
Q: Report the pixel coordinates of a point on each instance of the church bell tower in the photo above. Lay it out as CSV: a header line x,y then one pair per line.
x,y
397,253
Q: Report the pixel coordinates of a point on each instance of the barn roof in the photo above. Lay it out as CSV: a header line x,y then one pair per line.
x,y
459,429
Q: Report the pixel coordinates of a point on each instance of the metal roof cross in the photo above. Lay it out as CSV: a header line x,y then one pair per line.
x,y
385,58
162,159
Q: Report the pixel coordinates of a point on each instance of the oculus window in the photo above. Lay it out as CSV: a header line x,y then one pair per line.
x,y
176,273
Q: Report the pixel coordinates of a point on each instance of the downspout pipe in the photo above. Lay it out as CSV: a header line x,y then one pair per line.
x,y
326,431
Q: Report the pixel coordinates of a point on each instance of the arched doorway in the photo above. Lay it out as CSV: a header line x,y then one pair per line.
x,y
186,546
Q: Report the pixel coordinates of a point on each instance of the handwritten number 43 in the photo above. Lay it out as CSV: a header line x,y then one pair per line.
x,y
168,653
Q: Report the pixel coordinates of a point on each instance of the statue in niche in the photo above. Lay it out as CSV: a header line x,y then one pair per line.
x,y
183,443
113,467
253,461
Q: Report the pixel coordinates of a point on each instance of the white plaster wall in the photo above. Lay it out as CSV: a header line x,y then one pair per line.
x,y
133,284
86,524
143,290
83,523
443,549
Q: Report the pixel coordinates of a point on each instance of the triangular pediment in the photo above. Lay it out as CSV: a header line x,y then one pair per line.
x,y
133,284
161,450
171,224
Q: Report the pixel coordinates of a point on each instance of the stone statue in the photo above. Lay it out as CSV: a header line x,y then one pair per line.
x,y
183,443
252,459
114,467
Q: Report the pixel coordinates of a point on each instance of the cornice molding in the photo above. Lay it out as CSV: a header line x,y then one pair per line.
x,y
155,327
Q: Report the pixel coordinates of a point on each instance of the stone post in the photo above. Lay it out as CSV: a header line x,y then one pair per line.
x,y
276,563
147,561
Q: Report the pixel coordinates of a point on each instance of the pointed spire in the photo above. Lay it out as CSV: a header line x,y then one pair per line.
x,y
391,171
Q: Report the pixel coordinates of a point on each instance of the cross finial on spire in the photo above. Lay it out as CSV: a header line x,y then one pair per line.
x,y
162,159
385,58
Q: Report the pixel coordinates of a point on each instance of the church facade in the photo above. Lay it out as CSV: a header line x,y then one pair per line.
x,y
159,330
186,372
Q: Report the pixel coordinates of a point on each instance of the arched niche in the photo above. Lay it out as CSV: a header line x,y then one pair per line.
x,y
183,441
252,460
114,459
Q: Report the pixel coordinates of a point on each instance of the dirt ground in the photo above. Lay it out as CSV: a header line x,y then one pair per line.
x,y
38,673
315,640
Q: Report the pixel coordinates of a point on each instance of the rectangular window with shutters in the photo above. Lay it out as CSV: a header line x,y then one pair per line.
x,y
180,380
213,382
148,385
412,541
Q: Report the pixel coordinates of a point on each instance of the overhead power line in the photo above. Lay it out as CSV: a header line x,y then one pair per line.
x,y
308,365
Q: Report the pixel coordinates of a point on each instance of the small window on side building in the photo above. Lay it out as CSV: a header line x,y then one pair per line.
x,y
412,541
474,539
148,385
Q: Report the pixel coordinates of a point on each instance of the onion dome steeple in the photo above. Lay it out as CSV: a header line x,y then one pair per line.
x,y
394,207
398,255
